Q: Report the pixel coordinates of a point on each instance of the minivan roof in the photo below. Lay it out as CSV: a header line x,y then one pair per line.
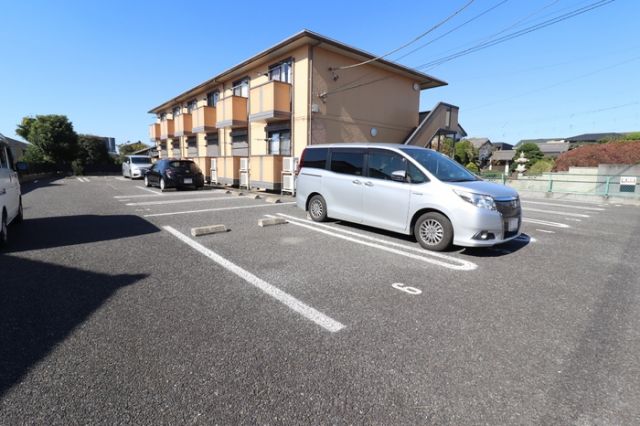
x,y
365,145
138,156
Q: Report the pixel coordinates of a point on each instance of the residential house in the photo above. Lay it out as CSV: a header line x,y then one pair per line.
x,y
245,125
484,147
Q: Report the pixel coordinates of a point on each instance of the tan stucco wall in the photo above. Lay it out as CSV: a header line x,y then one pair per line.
x,y
359,99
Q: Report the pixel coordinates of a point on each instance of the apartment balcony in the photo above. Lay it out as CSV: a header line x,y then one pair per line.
x,y
183,126
270,101
154,132
166,129
204,120
232,112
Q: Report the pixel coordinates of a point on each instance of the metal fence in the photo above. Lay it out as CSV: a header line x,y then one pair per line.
x,y
566,183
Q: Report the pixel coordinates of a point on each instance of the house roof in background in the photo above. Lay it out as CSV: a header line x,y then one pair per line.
x,y
554,148
503,155
479,142
501,146
594,137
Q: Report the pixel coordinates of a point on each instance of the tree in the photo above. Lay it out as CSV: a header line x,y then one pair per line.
x,y
592,155
465,152
53,136
446,147
531,152
92,150
129,148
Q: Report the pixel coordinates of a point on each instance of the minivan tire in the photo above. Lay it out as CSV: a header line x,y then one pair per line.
x,y
4,230
146,181
433,231
20,217
318,208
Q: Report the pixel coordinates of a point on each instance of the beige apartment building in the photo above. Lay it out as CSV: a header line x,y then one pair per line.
x,y
246,126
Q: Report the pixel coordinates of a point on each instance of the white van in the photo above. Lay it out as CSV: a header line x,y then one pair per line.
x,y
135,166
10,195
406,189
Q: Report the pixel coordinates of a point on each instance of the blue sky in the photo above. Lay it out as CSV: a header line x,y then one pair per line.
x,y
105,64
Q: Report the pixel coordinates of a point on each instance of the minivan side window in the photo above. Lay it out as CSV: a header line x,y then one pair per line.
x,y
315,158
348,162
415,175
382,164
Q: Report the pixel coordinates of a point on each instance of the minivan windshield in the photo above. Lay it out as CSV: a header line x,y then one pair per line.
x,y
441,166
140,160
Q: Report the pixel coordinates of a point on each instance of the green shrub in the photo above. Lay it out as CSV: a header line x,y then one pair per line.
x,y
472,168
77,167
541,166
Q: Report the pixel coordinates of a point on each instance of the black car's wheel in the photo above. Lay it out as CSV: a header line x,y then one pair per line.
x,y
163,184
20,217
4,229
318,208
146,181
433,231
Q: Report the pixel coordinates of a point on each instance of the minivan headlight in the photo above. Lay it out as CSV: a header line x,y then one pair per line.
x,y
478,200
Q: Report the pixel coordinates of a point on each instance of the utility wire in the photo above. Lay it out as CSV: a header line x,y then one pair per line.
x,y
452,30
516,34
439,24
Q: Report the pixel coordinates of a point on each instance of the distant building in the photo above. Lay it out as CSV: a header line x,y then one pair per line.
x,y
18,149
587,138
501,146
484,147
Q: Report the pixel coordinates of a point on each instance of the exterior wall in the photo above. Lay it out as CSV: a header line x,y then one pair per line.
x,y
358,100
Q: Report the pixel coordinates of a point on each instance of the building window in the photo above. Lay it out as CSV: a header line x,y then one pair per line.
x,y
281,72
241,88
279,142
176,111
191,106
213,149
213,98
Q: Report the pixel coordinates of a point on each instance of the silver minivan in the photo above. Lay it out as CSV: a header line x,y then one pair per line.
x,y
10,195
135,166
406,189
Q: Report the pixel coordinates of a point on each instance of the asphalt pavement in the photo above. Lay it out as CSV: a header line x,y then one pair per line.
x,y
111,313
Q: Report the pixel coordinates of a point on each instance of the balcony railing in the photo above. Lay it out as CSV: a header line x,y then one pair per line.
x,y
166,129
154,132
183,126
203,119
270,101
232,112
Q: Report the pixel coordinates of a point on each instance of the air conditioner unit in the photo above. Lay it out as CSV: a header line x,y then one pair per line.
x,y
214,164
289,164
244,164
289,183
244,180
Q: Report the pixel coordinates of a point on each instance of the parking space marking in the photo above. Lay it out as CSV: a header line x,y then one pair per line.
x,y
291,302
556,212
595,209
592,203
170,194
463,265
120,178
150,190
219,209
82,179
546,231
185,200
545,222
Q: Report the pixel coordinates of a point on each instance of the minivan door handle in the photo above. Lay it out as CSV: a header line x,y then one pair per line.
x,y
368,184
357,182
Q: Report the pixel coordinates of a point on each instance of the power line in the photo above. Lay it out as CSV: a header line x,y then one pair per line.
x,y
516,34
439,24
453,29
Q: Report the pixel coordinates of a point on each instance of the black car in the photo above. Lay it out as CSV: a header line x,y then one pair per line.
x,y
172,173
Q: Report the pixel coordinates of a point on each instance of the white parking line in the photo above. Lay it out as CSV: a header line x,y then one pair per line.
x,y
171,194
186,200
462,265
546,231
149,190
556,212
253,206
120,178
547,223
291,302
595,209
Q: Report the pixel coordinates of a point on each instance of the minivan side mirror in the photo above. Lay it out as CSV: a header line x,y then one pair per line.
x,y
399,176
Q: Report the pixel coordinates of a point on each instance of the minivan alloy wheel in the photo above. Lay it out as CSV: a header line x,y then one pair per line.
x,y
318,208
431,231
